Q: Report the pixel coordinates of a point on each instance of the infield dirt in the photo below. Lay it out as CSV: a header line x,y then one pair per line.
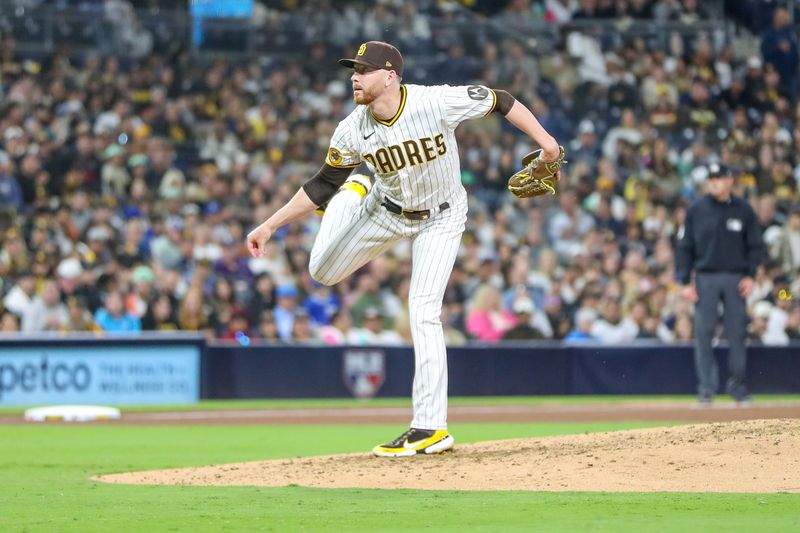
x,y
736,456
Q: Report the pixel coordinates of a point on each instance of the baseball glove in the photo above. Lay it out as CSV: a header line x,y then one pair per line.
x,y
536,177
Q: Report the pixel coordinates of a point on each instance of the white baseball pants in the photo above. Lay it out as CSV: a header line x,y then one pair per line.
x,y
352,233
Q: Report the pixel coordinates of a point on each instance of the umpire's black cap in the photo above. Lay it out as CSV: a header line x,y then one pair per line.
x,y
377,54
718,170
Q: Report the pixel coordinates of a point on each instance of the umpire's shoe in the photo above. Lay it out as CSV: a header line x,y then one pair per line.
x,y
416,441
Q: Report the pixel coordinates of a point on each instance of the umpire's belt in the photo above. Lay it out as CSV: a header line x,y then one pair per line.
x,y
425,214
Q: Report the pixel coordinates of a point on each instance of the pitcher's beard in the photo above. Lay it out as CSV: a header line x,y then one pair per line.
x,y
365,97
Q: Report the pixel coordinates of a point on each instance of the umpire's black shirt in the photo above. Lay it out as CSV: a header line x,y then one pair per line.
x,y
719,237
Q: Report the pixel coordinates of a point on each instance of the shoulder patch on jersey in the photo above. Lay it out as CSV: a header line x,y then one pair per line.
x,y
476,92
335,156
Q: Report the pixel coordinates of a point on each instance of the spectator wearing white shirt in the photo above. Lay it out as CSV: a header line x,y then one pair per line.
x,y
627,131
220,145
789,244
779,314
19,299
47,313
568,225
373,332
612,328
767,327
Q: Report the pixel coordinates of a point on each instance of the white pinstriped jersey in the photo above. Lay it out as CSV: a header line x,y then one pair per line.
x,y
414,154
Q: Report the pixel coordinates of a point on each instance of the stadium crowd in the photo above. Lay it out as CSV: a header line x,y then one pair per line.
x,y
127,186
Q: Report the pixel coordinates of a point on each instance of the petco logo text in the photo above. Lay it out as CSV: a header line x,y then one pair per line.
x,y
31,377
123,375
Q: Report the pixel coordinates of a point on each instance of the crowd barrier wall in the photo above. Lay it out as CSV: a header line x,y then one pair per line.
x,y
175,369
231,371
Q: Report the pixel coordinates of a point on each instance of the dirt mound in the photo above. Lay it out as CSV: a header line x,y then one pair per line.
x,y
744,456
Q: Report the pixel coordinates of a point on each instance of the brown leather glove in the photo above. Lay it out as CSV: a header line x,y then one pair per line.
x,y
537,177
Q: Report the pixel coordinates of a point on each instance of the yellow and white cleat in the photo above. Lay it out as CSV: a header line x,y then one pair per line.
x,y
416,441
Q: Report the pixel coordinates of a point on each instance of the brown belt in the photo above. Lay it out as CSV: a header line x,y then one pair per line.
x,y
425,214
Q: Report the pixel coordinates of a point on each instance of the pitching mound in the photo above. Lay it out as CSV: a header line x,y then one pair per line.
x,y
746,456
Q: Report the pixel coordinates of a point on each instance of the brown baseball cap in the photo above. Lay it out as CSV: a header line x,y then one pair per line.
x,y
376,54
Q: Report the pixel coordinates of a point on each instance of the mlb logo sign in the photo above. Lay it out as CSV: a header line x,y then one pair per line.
x,y
364,372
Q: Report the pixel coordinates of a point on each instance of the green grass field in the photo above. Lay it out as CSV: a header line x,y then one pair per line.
x,y
45,475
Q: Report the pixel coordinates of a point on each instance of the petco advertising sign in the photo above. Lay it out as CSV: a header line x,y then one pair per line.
x,y
108,374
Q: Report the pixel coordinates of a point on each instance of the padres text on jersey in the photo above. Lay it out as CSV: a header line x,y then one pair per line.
x,y
413,154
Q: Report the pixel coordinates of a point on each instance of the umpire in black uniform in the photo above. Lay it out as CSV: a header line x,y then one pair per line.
x,y
722,243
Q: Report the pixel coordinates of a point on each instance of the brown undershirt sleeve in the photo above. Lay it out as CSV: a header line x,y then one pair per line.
x,y
504,102
325,183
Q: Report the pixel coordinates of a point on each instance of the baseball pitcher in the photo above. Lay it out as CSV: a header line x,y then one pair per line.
x,y
406,136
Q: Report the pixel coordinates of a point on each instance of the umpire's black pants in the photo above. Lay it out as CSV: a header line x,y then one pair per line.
x,y
713,289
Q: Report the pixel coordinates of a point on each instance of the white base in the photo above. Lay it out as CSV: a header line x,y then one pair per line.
x,y
71,413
